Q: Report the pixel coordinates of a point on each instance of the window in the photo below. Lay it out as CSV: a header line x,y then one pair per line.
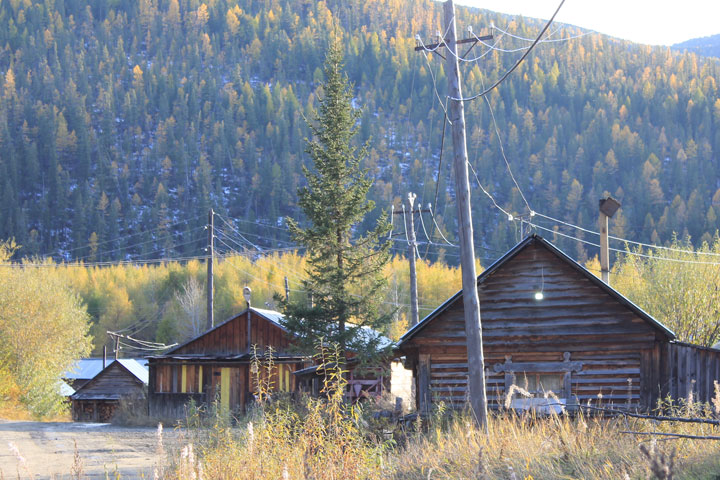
x,y
539,384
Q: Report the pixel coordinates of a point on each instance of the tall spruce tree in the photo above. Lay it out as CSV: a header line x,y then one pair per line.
x,y
345,279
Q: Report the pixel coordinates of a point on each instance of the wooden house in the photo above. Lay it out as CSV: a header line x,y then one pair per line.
x,y
97,400
548,324
85,369
216,365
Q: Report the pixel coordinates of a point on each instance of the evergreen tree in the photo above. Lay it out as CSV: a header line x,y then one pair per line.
x,y
335,203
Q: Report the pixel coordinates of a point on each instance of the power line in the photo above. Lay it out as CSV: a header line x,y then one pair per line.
x,y
492,199
153,240
502,149
517,64
129,235
238,233
625,240
437,94
627,252
432,215
545,40
137,263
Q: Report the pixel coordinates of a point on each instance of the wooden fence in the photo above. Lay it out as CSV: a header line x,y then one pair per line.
x,y
686,368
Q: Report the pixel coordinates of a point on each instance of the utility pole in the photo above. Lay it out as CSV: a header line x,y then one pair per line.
x,y
608,207
210,260
412,249
471,301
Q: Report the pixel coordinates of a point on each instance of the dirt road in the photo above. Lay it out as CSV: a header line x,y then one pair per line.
x,y
48,450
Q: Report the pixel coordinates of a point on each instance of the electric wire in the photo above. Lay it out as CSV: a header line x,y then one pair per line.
x,y
237,232
438,228
492,199
137,263
128,235
127,247
502,148
546,40
437,94
625,240
517,64
422,222
627,252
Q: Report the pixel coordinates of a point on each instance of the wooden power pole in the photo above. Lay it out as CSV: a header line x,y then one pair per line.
x,y
412,249
410,229
471,301
210,260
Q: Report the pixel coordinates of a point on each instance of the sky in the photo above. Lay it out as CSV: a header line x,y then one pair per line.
x,y
653,22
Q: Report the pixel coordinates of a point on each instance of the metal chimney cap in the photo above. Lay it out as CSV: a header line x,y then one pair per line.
x,y
609,206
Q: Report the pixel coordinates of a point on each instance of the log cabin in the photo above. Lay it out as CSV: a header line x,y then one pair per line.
x,y
216,365
548,324
98,399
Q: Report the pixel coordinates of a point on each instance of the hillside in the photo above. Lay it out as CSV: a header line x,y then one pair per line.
x,y
706,46
122,123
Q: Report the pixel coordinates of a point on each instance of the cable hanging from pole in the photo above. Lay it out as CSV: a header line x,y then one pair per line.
x,y
517,64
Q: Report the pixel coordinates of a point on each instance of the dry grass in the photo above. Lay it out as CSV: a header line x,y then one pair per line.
x,y
551,447
322,439
282,443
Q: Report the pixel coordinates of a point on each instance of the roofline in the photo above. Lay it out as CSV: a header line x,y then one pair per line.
x,y
563,256
92,380
244,312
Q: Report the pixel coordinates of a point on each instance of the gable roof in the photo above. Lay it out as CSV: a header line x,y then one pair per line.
x,y
87,368
134,367
276,318
538,240
129,365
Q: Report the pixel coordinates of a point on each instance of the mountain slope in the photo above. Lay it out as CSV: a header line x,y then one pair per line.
x,y
706,46
122,123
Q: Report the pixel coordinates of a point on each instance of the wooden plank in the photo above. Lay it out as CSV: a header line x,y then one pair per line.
x,y
645,377
423,387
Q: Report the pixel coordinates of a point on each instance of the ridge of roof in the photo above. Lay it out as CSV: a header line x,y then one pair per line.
x,y
270,315
130,365
530,239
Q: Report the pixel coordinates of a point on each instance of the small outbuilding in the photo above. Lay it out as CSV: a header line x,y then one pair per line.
x,y
548,324
85,369
216,365
97,400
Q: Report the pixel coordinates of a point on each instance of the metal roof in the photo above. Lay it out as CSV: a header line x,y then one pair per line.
x,y
134,367
87,368
276,317
131,365
65,389
532,239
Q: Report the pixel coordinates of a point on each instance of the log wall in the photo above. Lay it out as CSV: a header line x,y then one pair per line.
x,y
575,316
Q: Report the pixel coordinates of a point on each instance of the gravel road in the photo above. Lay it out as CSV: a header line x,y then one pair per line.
x,y
48,450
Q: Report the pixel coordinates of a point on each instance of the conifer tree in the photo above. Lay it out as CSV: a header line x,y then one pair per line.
x,y
344,270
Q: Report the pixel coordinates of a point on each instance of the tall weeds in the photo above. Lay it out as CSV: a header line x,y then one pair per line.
x,y
325,438
318,438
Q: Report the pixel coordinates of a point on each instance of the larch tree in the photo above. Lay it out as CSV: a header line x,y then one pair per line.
x,y
43,330
345,281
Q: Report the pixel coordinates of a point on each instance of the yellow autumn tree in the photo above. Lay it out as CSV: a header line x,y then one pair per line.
x,y
43,329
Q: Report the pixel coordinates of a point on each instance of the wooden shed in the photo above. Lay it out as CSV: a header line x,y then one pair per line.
x,y
548,324
216,365
97,400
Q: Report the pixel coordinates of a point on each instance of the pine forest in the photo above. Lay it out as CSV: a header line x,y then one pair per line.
x,y
122,124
